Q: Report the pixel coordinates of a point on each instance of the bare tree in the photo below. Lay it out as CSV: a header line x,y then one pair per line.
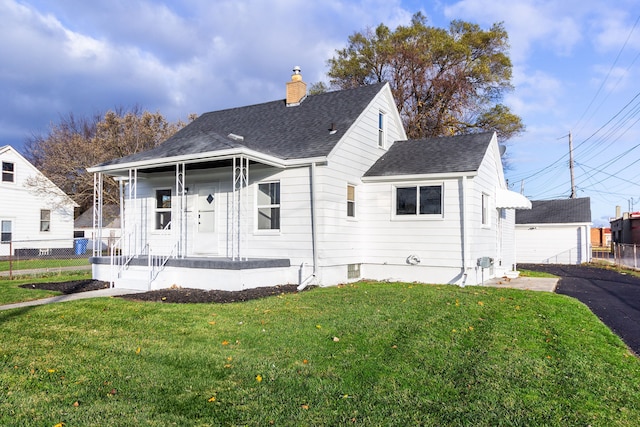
x,y
74,144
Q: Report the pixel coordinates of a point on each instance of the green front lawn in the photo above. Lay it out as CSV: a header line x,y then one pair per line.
x,y
372,354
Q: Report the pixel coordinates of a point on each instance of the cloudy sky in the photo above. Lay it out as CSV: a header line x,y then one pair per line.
x,y
575,68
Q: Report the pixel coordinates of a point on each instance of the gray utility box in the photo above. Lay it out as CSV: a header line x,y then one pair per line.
x,y
485,262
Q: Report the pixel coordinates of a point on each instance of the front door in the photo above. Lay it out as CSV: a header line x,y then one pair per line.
x,y
206,241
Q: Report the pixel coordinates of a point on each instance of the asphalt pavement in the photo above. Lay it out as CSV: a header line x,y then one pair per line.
x,y
613,297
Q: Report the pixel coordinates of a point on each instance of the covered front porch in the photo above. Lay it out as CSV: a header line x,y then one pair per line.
x,y
190,224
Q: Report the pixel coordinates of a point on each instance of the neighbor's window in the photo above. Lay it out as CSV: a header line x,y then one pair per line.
x,y
485,209
381,129
5,234
163,209
269,206
419,200
7,172
45,220
351,201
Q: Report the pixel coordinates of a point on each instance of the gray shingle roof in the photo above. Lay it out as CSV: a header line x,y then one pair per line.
x,y
561,211
462,153
271,128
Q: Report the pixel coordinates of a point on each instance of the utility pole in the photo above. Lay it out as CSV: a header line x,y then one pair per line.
x,y
573,183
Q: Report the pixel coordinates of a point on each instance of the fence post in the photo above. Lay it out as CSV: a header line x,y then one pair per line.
x,y
635,258
10,259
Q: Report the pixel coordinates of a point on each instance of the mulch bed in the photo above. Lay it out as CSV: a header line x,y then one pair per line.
x,y
171,295
70,287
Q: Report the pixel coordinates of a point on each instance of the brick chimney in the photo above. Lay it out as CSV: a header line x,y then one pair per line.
x,y
296,88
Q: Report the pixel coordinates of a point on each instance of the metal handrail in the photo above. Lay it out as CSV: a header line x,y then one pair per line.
x,y
119,261
157,262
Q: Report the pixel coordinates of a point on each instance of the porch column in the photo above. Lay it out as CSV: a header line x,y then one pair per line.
x,y
131,239
180,228
97,214
238,235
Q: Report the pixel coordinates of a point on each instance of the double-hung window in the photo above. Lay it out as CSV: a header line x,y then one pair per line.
x,y
268,205
163,209
45,220
419,200
5,234
351,201
8,172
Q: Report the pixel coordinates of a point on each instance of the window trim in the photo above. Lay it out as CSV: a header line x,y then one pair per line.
x,y
417,215
157,226
3,234
382,129
485,216
46,221
11,173
277,205
353,213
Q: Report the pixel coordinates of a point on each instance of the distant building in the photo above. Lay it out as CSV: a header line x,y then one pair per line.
x,y
600,237
626,228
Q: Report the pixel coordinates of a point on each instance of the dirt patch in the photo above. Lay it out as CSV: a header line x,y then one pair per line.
x,y
172,295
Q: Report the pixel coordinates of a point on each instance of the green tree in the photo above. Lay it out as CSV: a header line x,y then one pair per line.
x,y
74,144
444,81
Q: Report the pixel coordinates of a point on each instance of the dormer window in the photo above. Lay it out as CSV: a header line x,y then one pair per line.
x,y
7,172
381,130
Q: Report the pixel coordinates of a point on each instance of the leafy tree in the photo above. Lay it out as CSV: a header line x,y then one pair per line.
x,y
444,81
74,144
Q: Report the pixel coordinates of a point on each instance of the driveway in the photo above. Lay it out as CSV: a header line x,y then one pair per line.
x,y
612,296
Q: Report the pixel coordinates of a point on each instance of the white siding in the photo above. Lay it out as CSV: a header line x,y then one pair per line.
x,y
342,240
22,204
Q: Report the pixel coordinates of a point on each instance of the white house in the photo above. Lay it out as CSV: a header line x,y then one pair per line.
x,y
309,190
554,232
36,217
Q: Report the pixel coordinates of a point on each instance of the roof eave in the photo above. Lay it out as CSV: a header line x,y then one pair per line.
x,y
419,177
208,156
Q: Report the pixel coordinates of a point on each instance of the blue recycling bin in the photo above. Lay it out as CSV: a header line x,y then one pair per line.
x,y
80,246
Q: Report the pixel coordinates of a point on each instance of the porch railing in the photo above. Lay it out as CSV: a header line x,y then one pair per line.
x,y
118,260
157,262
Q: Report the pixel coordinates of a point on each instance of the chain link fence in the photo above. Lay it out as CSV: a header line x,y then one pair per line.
x,y
627,255
29,257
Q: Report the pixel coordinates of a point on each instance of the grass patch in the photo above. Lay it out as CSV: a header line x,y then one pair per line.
x,y
366,354
529,273
27,264
10,290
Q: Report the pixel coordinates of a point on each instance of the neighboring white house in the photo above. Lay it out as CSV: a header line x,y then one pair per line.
x,y
36,217
554,232
310,190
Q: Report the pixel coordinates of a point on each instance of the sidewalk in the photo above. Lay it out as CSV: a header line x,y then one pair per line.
x,y
71,297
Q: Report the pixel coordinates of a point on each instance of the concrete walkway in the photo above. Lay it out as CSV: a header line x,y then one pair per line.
x,y
544,284
71,297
